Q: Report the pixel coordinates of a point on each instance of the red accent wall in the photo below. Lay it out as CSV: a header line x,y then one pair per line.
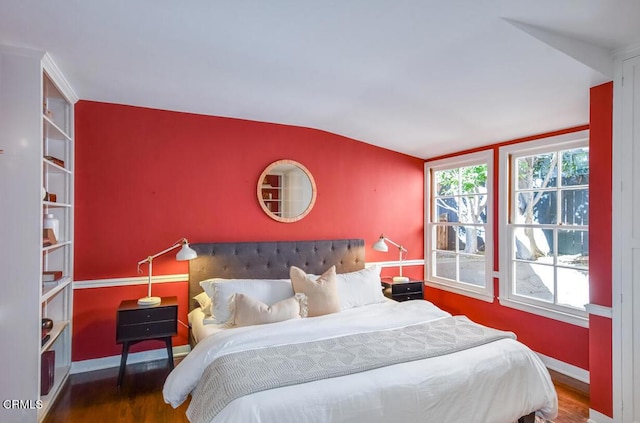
x,y
600,193
146,178
601,365
600,268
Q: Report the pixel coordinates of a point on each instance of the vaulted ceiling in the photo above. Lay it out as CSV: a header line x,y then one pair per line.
x,y
422,77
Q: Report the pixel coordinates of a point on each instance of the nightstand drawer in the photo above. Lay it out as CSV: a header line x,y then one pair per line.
x,y
146,330
406,288
407,297
404,291
146,315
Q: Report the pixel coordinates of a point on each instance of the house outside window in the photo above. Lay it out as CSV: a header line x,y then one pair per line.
x,y
544,230
458,224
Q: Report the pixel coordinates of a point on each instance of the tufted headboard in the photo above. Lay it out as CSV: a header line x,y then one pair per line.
x,y
271,259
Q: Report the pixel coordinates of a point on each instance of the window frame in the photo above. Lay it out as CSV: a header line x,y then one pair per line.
x,y
485,293
506,191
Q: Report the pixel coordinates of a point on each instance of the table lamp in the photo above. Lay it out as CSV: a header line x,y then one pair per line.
x,y
381,245
185,253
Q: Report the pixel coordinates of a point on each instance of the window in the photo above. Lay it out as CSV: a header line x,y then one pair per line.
x,y
459,224
545,228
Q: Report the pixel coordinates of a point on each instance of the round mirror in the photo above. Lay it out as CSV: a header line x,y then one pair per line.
x,y
286,191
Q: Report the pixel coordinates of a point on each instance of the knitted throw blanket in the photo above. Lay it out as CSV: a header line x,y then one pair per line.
x,y
234,375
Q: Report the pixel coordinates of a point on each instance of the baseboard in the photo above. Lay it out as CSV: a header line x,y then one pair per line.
x,y
114,361
565,368
596,417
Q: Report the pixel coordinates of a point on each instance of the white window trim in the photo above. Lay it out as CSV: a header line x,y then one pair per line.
x,y
506,298
481,293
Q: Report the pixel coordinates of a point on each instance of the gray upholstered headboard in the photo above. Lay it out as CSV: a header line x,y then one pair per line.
x,y
271,259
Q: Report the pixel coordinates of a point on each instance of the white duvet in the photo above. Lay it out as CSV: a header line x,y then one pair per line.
x,y
497,382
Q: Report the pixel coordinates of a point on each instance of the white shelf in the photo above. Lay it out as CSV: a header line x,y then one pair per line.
x,y
56,246
56,168
57,329
54,131
49,290
53,204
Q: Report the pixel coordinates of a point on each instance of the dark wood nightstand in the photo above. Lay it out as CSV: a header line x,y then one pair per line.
x,y
403,291
137,323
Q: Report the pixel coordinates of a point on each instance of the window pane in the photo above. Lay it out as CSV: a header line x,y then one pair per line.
x,y
538,171
447,209
471,239
573,287
573,248
445,265
473,179
533,244
537,207
472,269
575,167
575,207
472,208
447,182
533,280
445,238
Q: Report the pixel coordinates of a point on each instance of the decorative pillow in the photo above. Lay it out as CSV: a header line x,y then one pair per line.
x,y
205,303
268,291
360,288
247,311
322,293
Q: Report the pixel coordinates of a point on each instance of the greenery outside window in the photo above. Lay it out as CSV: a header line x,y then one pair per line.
x,y
545,227
458,224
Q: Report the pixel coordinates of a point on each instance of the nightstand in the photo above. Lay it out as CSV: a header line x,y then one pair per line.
x,y
403,291
136,323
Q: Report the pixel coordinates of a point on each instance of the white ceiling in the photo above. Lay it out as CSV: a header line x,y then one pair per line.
x,y
422,77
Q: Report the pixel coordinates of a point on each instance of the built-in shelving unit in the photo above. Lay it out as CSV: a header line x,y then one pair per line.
x,y
57,180
37,175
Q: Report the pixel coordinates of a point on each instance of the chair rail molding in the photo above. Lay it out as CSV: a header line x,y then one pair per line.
x,y
599,310
136,280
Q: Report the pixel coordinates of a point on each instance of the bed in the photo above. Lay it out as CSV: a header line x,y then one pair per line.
x,y
373,360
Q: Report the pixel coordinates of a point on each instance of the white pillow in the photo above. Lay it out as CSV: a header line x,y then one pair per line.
x,y
204,301
360,288
268,291
247,311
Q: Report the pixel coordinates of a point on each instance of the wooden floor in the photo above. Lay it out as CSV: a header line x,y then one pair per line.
x,y
573,399
94,397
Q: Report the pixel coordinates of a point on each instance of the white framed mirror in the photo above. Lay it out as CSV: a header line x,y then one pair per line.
x,y
286,191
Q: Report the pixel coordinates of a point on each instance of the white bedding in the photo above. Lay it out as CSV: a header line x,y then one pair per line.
x,y
199,329
496,382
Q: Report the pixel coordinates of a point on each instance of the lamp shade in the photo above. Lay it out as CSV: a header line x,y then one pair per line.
x,y
380,245
186,253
